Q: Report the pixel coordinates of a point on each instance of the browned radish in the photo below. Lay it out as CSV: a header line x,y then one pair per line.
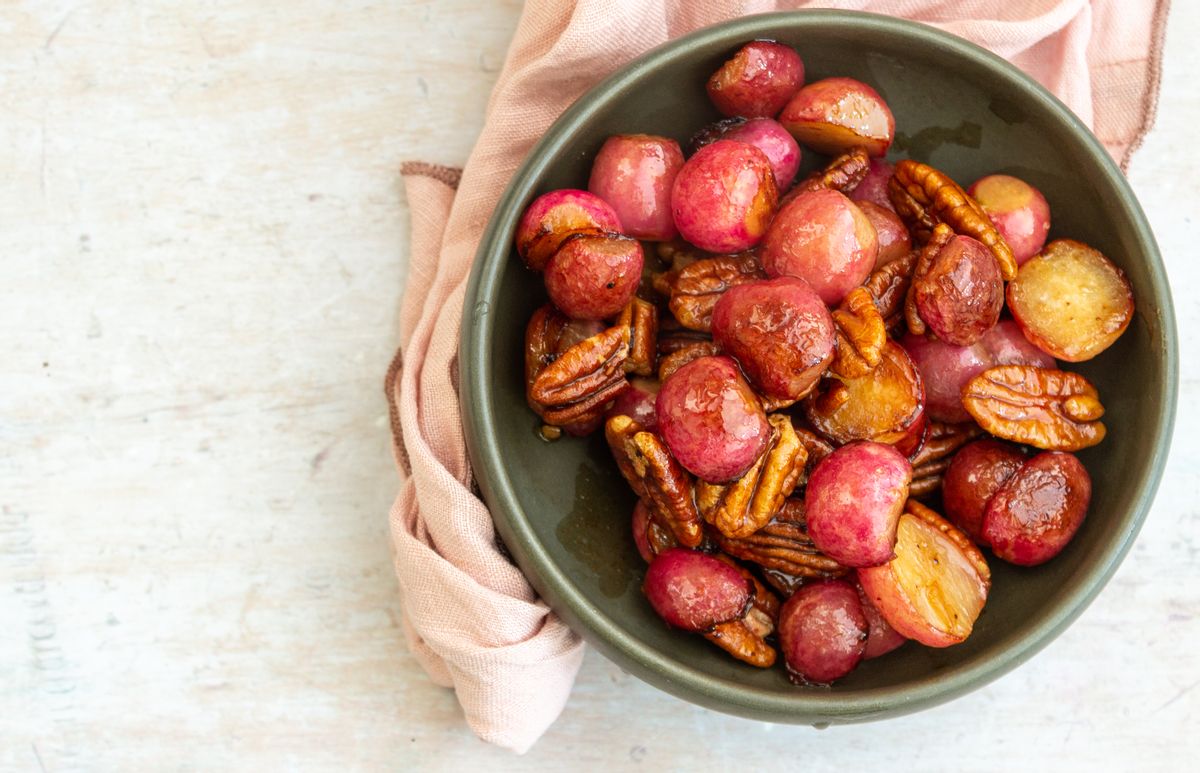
x,y
1037,511
887,405
758,81
975,474
936,586
834,115
1071,301
554,216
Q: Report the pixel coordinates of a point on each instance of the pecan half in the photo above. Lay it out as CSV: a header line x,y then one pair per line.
x,y
661,281
793,509
765,603
737,638
783,546
941,236
672,336
1046,408
741,508
843,174
682,356
923,196
772,404
659,537
744,638
696,289
889,284
860,335
642,319
818,448
572,386
929,464
913,212
656,477
680,255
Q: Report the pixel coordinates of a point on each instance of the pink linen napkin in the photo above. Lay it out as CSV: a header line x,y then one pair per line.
x,y
470,617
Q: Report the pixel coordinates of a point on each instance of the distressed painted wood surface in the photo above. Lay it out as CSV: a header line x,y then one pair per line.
x,y
202,247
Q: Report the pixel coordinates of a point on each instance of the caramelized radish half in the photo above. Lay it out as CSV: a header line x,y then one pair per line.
x,y
835,115
936,586
1071,301
887,405
758,81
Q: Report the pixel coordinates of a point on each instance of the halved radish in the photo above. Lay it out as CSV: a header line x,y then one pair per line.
x,y
1071,301
936,586
887,405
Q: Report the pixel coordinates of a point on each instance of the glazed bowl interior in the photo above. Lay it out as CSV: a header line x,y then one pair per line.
x,y
563,509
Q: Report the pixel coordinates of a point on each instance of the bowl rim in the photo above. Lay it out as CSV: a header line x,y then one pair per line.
x,y
602,631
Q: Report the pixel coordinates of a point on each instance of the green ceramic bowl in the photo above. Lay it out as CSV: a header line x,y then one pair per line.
x,y
563,509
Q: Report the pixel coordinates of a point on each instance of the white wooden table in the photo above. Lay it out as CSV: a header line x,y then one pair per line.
x,y
202,247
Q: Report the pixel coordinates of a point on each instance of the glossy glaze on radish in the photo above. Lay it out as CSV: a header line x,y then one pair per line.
x,y
823,238
779,331
835,115
757,81
853,502
962,293
974,476
822,631
711,420
694,591
1038,510
554,216
724,196
634,173
594,276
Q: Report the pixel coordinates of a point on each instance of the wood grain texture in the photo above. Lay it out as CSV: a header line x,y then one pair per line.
x,y
202,236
